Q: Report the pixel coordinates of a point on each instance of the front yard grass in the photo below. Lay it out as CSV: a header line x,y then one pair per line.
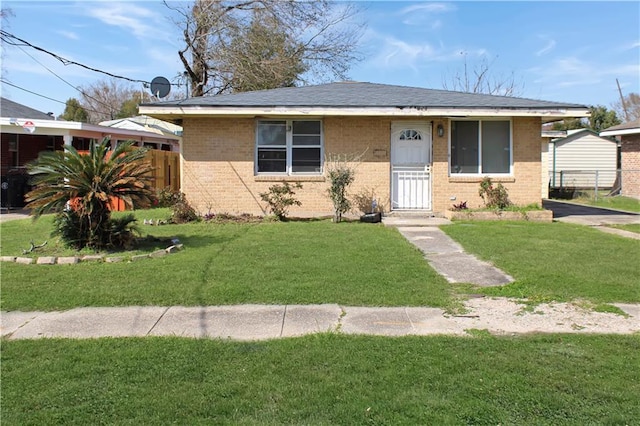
x,y
631,227
556,261
273,263
324,379
612,202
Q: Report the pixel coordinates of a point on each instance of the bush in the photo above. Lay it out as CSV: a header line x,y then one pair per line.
x,y
460,206
167,197
183,213
280,197
111,233
493,196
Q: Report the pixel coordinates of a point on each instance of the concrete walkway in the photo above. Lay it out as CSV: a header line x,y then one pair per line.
x,y
446,256
260,322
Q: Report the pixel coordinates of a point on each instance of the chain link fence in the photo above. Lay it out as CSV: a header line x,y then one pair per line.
x,y
570,184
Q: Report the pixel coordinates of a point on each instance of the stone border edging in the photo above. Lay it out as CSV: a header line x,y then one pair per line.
x,y
98,258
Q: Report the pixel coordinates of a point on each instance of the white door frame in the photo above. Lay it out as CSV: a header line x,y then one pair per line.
x,y
411,165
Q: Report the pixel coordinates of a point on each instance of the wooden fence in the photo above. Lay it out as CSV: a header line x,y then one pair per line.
x,y
166,174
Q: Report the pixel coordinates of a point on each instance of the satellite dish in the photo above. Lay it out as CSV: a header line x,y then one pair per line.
x,y
160,87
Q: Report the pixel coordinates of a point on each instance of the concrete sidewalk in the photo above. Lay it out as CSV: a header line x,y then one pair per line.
x,y
262,322
444,255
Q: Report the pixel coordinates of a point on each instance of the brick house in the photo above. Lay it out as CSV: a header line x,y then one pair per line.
x,y
629,136
423,149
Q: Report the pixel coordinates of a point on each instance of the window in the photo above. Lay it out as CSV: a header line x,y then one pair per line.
x,y
480,147
289,146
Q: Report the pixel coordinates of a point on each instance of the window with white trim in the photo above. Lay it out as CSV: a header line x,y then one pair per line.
x,y
481,147
289,147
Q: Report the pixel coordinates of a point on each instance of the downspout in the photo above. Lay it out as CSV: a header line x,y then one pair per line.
x,y
554,165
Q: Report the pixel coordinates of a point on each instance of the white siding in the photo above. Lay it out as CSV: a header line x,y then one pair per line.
x,y
585,153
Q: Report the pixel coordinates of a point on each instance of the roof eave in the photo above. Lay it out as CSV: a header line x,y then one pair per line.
x,y
173,113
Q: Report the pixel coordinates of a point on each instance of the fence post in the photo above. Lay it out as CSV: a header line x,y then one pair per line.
x,y
596,195
561,179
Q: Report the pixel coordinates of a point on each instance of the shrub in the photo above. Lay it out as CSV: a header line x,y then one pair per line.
x,y
183,212
460,206
494,196
78,187
167,197
280,197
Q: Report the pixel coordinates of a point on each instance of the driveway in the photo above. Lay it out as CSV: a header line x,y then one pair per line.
x,y
587,215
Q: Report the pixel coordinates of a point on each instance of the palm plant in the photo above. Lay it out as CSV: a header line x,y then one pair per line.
x,y
79,188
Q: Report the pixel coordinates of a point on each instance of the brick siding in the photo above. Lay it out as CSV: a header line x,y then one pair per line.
x,y
218,165
630,164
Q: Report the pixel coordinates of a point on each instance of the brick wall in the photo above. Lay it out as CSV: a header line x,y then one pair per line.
x,y
218,165
630,164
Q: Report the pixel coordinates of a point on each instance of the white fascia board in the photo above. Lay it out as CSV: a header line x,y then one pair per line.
x,y
74,128
611,133
182,112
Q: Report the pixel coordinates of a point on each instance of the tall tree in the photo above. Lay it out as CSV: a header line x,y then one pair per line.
x,y
73,111
628,108
602,118
317,39
110,99
599,119
261,56
103,99
482,78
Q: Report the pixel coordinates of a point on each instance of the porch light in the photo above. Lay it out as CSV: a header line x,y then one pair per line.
x,y
440,130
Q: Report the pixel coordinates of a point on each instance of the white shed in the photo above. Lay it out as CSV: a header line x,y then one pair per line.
x,y
576,160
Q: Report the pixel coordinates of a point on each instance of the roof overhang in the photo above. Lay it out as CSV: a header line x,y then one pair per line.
x,y
621,132
175,113
74,128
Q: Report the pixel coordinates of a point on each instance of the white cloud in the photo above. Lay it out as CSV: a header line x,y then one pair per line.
x,y
68,34
424,14
550,44
140,21
428,7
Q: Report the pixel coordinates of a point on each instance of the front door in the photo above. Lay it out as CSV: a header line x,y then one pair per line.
x,y
411,165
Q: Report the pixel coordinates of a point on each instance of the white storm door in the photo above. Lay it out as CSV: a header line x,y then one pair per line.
x,y
411,166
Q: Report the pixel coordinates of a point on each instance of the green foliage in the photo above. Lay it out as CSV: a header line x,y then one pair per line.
x,y
183,212
494,196
602,118
167,197
280,197
73,111
79,187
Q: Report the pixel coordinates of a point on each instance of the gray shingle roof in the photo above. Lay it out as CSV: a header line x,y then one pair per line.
x,y
635,124
12,109
361,95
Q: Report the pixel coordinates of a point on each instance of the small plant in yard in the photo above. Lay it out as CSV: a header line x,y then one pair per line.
x,y
462,205
79,188
168,197
183,212
280,197
341,170
494,196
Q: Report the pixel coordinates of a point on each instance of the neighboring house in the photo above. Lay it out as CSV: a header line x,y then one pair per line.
x,y
423,149
27,132
576,160
144,123
629,136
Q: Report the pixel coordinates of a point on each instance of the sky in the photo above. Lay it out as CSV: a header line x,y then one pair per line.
x,y
570,52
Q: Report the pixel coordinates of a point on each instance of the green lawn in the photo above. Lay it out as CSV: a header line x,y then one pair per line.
x,y
321,262
556,261
323,379
617,202
632,227
274,263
